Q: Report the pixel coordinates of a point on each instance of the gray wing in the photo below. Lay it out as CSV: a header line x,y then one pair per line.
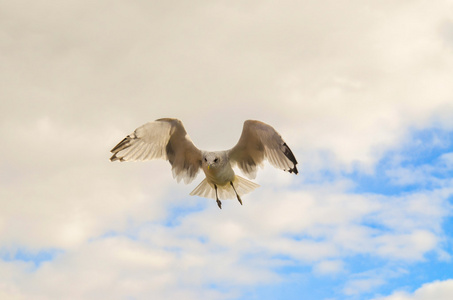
x,y
162,139
258,142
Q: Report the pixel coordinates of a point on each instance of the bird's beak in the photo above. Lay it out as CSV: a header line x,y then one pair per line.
x,y
209,166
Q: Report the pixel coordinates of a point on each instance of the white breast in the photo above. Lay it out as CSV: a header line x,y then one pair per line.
x,y
219,176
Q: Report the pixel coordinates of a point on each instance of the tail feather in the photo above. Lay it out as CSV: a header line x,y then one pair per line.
x,y
204,189
242,186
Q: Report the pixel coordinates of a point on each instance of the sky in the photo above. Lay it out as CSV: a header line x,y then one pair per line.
x,y
360,90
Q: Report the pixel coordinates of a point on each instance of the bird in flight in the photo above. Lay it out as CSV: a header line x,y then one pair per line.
x,y
167,139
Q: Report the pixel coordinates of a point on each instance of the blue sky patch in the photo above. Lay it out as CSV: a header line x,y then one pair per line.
x,y
178,212
417,165
36,257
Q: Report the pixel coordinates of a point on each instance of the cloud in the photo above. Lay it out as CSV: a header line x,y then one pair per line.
x,y
441,290
213,253
328,267
359,286
348,62
343,83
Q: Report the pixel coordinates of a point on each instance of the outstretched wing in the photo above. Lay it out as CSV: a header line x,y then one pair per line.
x,y
162,139
260,141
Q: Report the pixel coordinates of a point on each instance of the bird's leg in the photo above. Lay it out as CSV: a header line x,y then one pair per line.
x,y
239,198
217,197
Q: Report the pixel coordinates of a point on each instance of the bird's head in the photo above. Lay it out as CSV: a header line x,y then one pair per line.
x,y
212,160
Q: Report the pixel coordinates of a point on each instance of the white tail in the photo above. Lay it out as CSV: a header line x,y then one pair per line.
x,y
242,186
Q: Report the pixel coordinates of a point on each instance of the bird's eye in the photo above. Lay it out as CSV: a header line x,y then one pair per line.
x,y
216,160
205,159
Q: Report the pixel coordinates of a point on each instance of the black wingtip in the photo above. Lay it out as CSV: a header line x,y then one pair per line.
x,y
289,154
294,170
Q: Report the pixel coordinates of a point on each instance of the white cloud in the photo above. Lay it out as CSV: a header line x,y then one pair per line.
x,y
358,286
229,249
439,290
328,267
342,83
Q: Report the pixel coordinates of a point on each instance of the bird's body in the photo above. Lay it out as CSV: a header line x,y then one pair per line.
x,y
167,139
217,168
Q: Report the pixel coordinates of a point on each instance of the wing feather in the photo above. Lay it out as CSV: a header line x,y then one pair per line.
x,y
258,142
162,139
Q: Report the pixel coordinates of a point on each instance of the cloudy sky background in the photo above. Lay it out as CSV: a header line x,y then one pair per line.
x,y
360,90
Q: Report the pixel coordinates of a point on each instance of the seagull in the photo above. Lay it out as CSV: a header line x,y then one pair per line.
x,y
167,139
